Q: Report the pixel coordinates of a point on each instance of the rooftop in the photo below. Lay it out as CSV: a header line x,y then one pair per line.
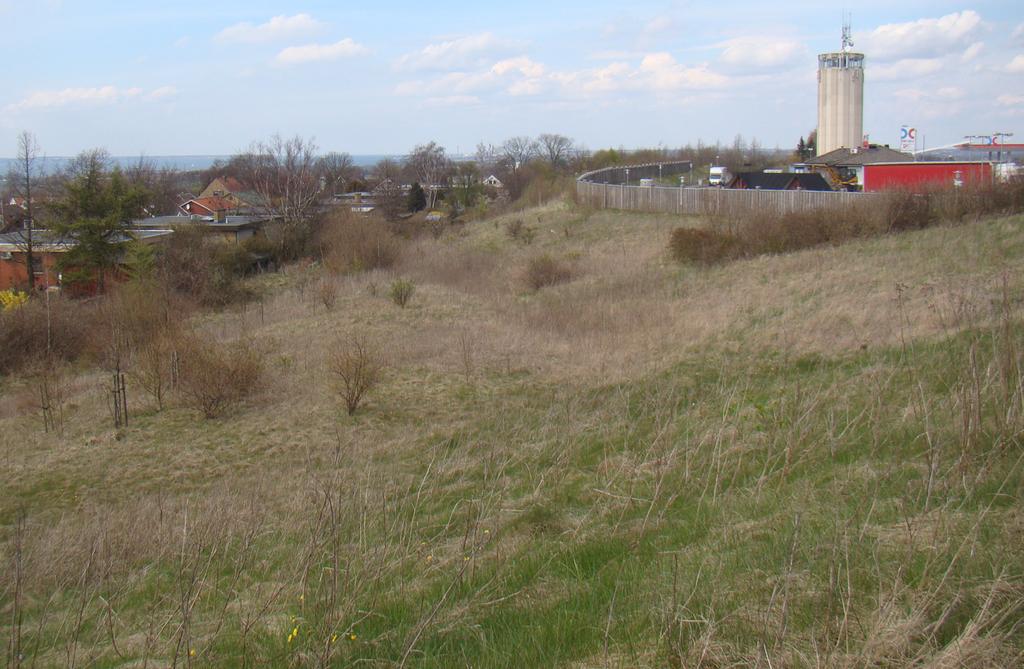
x,y
47,240
860,156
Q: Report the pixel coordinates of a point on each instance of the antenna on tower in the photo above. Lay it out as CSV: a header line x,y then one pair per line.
x,y
847,31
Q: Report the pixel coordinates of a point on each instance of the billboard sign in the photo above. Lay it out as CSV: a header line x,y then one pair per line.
x,y
908,139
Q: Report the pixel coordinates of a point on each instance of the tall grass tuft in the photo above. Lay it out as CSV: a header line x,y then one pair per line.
x,y
546,270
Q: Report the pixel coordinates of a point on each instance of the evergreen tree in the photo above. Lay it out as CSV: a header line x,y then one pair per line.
x,y
417,198
801,149
95,216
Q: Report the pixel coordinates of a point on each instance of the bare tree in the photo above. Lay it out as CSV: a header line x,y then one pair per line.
x,y
283,172
22,176
517,151
431,167
336,169
388,191
487,156
162,185
556,149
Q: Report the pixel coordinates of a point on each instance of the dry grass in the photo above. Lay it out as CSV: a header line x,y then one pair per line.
x,y
604,473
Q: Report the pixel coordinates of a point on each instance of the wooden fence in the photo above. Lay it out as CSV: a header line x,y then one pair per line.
x,y
710,201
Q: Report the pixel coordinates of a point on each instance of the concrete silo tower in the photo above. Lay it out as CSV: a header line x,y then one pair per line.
x,y
840,98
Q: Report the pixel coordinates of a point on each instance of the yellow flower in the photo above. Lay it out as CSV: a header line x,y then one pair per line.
x,y
465,559
429,558
487,531
302,598
352,636
334,637
192,652
295,632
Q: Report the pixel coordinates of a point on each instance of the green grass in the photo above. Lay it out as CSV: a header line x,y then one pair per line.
x,y
734,505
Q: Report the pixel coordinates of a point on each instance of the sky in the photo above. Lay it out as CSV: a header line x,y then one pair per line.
x,y
210,78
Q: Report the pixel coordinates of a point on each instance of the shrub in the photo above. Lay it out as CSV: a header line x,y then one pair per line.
x,y
909,211
401,291
327,294
544,270
357,368
153,367
216,376
12,299
29,333
349,245
519,231
703,246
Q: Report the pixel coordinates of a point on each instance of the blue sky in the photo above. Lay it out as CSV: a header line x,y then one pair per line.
x,y
211,77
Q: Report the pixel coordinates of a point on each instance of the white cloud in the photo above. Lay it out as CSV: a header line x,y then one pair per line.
x,y
1011,100
522,65
661,72
276,29
517,76
521,76
760,53
971,52
922,38
1018,33
472,50
1015,66
656,72
162,92
73,96
309,53
909,68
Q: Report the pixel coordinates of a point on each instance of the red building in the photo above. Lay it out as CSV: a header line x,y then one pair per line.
x,y
925,175
48,249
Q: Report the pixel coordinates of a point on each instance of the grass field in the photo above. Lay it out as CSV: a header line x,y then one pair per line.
x,y
811,459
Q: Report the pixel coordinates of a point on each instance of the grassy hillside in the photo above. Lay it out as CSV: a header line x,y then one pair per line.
x,y
812,459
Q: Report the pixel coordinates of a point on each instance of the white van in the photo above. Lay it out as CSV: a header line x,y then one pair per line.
x,y
718,176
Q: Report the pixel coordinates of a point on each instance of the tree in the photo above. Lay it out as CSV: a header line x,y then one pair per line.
x,y
556,149
388,191
417,198
96,214
22,176
162,185
487,156
283,173
336,169
431,166
516,153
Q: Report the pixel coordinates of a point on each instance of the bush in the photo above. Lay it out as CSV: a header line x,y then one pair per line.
x,y
349,245
327,294
28,334
544,270
909,211
357,368
12,299
703,246
519,231
216,376
401,291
